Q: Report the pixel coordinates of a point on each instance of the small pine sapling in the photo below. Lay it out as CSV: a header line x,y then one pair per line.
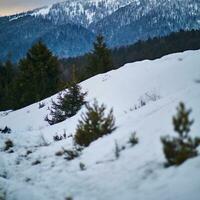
x,y
178,149
68,104
94,124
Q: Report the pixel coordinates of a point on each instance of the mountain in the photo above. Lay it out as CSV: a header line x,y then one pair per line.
x,y
81,12
18,35
121,21
32,171
148,18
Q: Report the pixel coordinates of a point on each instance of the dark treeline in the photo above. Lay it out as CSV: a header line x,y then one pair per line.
x,y
34,78
157,47
149,49
41,74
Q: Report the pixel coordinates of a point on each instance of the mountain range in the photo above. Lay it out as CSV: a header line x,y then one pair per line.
x,y
70,27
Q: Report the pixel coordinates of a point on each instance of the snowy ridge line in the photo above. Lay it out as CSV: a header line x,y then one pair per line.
x,y
74,9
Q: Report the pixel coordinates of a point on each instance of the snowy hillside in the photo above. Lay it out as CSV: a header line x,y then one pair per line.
x,y
139,173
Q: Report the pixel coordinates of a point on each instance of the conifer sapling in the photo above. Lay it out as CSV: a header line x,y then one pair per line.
x,y
179,149
68,104
94,124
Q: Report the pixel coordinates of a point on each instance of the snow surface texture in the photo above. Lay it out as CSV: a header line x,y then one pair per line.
x,y
139,173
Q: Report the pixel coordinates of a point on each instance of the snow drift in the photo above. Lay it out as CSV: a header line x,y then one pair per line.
x,y
139,173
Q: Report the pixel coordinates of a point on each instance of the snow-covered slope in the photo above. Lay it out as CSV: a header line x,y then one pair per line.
x,y
139,173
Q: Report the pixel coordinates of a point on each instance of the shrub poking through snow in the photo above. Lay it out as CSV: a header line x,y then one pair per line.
x,y
37,162
67,105
117,150
41,105
57,137
59,153
145,99
11,151
133,140
8,144
94,124
28,152
60,137
5,130
71,154
82,166
179,149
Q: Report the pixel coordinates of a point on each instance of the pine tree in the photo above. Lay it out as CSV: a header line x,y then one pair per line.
x,y
94,124
100,60
68,103
179,149
181,121
39,75
57,115
1,86
7,76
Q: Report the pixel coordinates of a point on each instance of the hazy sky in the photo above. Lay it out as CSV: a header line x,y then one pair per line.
x,y
8,7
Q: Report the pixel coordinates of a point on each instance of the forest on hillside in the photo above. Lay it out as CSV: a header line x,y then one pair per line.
x,y
152,48
41,74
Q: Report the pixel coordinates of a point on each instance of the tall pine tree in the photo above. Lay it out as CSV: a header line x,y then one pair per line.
x,y
100,60
39,75
7,76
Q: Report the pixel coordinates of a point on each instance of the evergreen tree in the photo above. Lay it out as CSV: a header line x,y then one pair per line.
x,y
179,149
7,76
94,124
56,112
1,86
68,103
100,60
39,75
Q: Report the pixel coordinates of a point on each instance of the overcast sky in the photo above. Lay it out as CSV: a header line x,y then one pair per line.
x,y
8,7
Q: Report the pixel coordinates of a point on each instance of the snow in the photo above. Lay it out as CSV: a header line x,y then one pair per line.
x,y
15,17
139,173
42,11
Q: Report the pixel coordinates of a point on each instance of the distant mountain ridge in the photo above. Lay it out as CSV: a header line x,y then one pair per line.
x,y
81,12
69,28
149,18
